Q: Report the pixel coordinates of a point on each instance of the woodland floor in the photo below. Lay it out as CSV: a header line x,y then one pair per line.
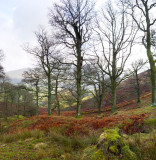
x,y
65,137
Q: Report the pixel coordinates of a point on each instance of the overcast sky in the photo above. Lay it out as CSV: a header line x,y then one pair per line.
x,y
19,19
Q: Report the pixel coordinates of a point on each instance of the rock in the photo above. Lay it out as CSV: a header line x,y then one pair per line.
x,y
110,145
110,141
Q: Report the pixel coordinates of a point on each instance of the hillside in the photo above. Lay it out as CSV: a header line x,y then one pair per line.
x,y
123,135
16,75
125,92
70,138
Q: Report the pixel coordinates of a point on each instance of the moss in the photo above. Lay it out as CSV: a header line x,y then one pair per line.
x,y
114,149
128,154
98,155
110,135
21,117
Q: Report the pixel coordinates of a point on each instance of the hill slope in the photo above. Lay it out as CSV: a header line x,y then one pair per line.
x,y
16,75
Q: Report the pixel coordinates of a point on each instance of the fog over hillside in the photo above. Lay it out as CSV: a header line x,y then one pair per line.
x,y
16,75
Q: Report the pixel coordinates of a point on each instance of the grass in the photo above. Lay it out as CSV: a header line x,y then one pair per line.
x,y
21,135
73,143
144,145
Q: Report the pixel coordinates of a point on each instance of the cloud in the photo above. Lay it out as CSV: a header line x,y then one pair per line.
x,y
19,19
29,15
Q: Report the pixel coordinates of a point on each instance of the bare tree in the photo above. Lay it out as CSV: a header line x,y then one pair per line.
x,y
58,78
33,77
72,21
45,53
141,11
95,78
116,35
136,67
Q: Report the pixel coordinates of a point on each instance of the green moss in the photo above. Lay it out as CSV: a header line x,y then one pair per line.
x,y
98,155
128,154
21,117
110,135
114,149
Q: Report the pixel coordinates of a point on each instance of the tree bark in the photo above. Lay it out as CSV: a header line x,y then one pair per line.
x,y
56,97
114,97
37,98
49,95
99,107
79,77
113,81
138,87
150,56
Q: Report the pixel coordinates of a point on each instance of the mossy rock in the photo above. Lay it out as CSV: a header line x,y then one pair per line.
x,y
110,145
110,135
114,149
109,141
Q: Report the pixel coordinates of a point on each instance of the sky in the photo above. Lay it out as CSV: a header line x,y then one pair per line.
x,y
19,19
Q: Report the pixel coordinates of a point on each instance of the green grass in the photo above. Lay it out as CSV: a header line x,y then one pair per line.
x,y
144,145
12,137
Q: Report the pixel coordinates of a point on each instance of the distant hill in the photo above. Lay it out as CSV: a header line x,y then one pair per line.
x,y
16,75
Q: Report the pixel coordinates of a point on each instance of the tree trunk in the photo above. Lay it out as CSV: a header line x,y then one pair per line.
x,y
153,70
113,97
153,82
99,107
113,81
150,56
49,95
79,99
138,87
56,97
79,76
37,106
58,107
